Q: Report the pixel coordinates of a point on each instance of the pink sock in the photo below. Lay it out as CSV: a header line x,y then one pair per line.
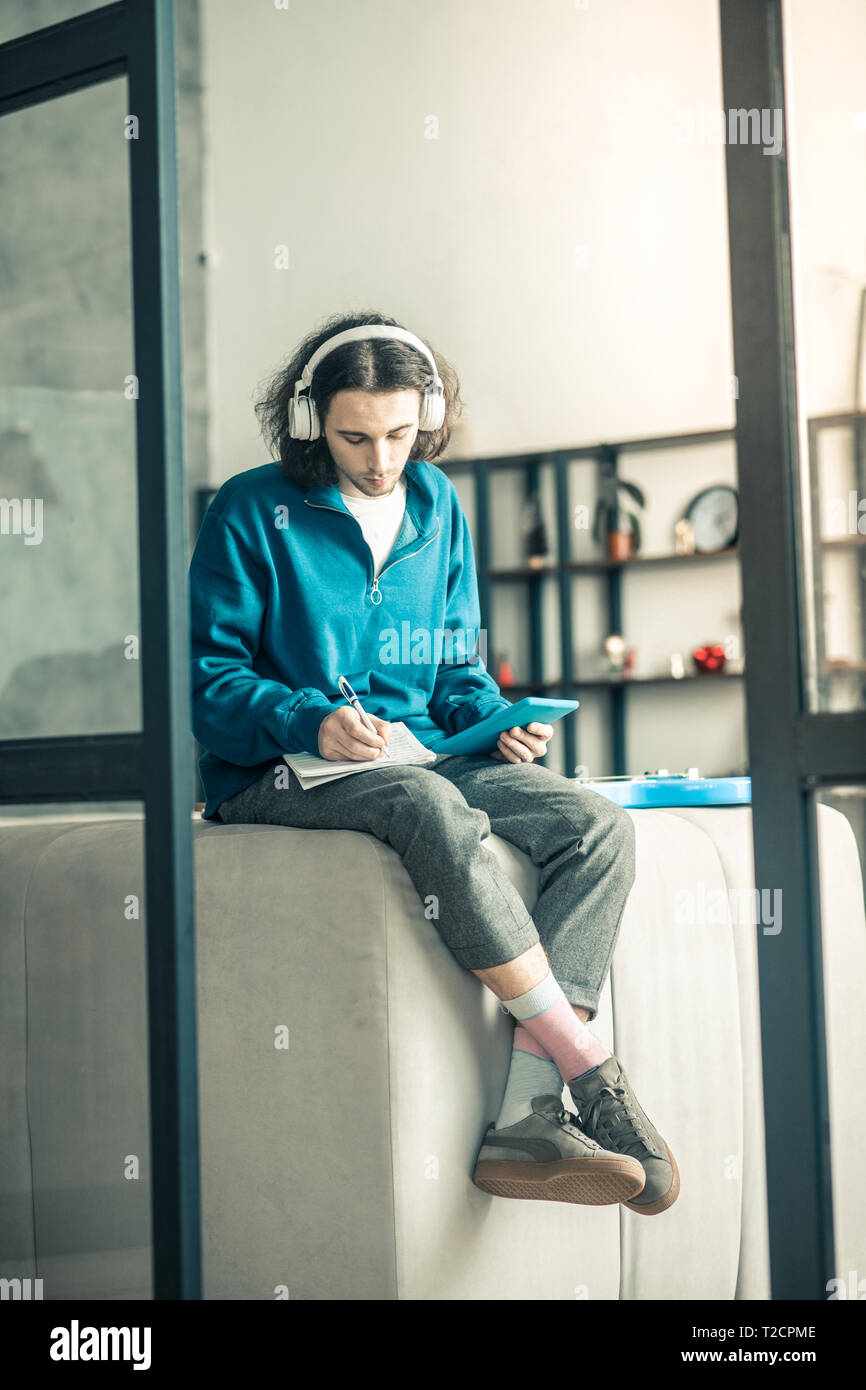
x,y
524,1040
559,1034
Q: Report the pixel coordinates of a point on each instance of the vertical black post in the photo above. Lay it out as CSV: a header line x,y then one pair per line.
x,y
481,474
535,595
796,1109
609,471
567,632
168,781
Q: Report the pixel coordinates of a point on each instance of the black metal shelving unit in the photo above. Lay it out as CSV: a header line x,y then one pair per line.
x,y
604,455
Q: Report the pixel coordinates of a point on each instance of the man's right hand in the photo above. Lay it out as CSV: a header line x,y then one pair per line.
x,y
344,737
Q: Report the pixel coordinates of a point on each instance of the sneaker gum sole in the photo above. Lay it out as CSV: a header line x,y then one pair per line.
x,y
653,1208
580,1180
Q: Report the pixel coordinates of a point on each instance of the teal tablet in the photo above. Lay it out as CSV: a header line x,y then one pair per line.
x,y
482,737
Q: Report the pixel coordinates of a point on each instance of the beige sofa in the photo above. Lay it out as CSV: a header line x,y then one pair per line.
x,y
338,1166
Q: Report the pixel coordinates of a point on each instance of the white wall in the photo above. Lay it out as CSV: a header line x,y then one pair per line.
x,y
559,242
556,131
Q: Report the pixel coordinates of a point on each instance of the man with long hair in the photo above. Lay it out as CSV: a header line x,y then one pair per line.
x,y
300,567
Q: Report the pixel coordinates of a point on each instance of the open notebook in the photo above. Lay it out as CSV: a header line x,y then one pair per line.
x,y
403,746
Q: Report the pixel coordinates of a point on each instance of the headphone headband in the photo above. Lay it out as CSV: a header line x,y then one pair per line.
x,y
358,334
303,415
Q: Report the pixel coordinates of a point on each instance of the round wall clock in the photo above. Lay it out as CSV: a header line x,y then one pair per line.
x,y
714,517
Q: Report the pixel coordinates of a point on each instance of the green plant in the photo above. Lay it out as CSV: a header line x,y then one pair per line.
x,y
610,513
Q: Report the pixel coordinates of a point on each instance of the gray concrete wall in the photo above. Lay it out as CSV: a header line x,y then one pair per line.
x,y
70,601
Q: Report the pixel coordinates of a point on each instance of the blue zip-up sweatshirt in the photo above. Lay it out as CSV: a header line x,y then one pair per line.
x,y
283,600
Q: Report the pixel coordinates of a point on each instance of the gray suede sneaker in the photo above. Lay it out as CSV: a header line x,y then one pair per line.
x,y
609,1114
545,1157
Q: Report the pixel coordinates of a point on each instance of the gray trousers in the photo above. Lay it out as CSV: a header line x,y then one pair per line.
x,y
435,816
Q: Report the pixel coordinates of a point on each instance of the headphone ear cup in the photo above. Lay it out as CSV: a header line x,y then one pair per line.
x,y
432,412
313,413
303,418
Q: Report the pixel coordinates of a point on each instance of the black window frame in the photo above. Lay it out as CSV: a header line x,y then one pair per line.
x,y
793,753
135,39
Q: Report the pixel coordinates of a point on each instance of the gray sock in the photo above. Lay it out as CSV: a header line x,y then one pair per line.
x,y
528,1076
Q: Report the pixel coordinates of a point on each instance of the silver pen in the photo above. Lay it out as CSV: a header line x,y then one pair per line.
x,y
349,694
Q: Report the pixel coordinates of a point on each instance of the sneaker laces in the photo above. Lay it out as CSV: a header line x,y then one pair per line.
x,y
630,1130
569,1121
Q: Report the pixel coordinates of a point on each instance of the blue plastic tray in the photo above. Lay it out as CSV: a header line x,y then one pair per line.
x,y
674,791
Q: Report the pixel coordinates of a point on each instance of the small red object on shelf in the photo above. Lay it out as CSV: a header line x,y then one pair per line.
x,y
709,659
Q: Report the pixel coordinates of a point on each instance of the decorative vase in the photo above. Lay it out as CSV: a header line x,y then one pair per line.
x,y
620,545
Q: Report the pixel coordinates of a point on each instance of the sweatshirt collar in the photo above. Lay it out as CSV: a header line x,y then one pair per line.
x,y
420,499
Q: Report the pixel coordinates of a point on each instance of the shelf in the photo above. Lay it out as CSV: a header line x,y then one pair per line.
x,y
524,572
598,682
519,572
641,560
660,679
541,457
553,465
565,566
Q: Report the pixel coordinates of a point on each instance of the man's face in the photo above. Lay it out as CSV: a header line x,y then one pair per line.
x,y
370,438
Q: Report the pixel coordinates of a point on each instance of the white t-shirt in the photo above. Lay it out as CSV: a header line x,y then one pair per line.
x,y
380,519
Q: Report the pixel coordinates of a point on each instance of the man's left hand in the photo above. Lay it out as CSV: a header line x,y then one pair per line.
x,y
523,745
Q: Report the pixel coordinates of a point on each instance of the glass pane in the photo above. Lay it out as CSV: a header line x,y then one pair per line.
x,y
69,660
75,1168
841,813
618,324
20,17
826,137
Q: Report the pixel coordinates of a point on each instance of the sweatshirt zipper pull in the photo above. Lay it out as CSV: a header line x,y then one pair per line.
x,y
375,593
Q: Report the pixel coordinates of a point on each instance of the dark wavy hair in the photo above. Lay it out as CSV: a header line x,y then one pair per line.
x,y
378,365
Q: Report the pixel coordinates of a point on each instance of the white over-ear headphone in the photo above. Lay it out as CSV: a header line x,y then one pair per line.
x,y
304,417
